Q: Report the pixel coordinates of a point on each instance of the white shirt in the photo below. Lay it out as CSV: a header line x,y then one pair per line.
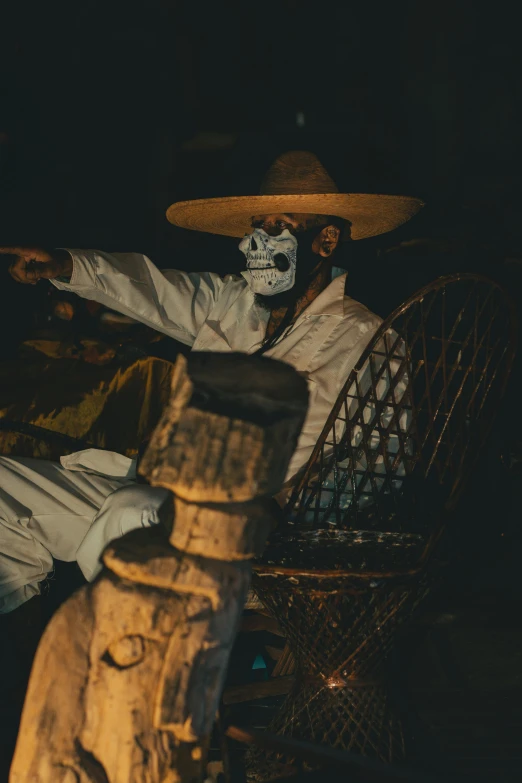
x,y
210,313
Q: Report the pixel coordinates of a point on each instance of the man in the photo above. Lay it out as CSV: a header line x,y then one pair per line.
x,y
284,305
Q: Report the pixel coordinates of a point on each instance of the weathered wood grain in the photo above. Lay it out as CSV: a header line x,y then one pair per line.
x,y
127,678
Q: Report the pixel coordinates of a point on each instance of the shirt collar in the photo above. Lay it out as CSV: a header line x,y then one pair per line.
x,y
330,301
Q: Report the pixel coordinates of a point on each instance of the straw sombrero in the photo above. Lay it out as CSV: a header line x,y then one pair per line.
x,y
296,183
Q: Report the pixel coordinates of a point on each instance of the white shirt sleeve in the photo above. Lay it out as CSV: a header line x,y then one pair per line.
x,y
172,302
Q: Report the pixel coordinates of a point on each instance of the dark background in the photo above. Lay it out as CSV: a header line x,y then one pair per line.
x,y
111,110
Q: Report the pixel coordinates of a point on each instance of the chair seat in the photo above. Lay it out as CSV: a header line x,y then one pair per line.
x,y
361,551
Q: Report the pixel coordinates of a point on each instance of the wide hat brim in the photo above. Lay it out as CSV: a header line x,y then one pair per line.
x,y
370,214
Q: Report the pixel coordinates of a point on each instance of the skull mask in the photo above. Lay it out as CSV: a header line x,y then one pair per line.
x,y
270,261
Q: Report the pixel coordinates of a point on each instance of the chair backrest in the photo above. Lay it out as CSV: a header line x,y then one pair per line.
x,y
412,417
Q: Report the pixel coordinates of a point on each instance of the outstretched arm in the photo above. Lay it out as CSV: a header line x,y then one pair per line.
x,y
172,302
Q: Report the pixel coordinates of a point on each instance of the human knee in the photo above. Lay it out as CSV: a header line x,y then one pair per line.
x,y
131,507
127,508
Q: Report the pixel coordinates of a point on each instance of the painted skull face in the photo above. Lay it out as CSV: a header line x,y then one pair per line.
x,y
270,261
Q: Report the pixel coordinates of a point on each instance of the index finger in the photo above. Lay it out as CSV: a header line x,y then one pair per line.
x,y
18,271
25,252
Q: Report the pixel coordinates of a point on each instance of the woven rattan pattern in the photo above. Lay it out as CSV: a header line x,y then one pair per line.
x,y
419,405
340,638
390,464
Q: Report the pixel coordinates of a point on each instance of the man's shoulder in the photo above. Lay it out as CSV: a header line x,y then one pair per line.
x,y
231,290
234,280
228,279
233,285
213,281
357,315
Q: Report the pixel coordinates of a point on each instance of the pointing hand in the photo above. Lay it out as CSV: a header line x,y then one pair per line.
x,y
34,263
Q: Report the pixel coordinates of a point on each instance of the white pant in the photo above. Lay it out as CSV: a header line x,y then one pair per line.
x,y
47,510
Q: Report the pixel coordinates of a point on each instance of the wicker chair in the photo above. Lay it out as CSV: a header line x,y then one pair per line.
x,y
355,556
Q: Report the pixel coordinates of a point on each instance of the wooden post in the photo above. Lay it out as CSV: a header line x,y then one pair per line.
x,y
127,678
